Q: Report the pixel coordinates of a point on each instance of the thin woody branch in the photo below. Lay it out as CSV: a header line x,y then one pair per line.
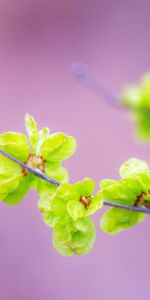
x,y
36,172
127,207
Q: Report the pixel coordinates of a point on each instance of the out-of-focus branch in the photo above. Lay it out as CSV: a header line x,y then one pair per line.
x,y
97,88
87,80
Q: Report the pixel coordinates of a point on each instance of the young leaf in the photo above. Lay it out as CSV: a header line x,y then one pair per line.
x,y
74,238
32,131
16,196
116,220
15,144
133,166
58,147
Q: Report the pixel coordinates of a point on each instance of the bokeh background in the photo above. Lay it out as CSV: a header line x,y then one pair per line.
x,y
39,41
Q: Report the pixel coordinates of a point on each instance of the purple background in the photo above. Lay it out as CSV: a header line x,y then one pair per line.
x,y
39,40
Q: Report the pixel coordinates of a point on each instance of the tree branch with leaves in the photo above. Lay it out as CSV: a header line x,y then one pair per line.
x,y
35,162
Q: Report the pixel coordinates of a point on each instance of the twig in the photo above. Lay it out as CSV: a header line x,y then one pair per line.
x,y
81,73
127,207
41,175
36,172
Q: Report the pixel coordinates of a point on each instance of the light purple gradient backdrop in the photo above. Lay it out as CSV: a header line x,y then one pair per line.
x,y
39,40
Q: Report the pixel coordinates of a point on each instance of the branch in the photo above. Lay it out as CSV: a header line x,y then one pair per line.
x,y
85,78
127,207
97,88
41,175
36,172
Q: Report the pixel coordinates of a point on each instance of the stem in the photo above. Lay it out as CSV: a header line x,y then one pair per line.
x,y
80,72
41,175
36,172
127,207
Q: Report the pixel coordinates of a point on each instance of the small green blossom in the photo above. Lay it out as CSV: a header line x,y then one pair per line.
x,y
66,209
132,189
73,200
41,150
116,220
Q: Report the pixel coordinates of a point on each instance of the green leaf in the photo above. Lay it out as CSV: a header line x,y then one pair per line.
x,y
51,145
136,97
15,144
143,180
133,166
74,238
10,176
50,213
44,203
45,188
116,220
65,251
118,192
106,183
57,172
66,192
134,184
79,239
76,209
84,225
43,134
95,205
142,121
16,196
49,218
63,231
58,147
32,131
88,237
147,197
85,187
8,168
66,150
58,207
145,89
131,97
52,203
8,185
13,185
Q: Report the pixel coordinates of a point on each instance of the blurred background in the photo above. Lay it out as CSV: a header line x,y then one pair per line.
x,y
39,41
